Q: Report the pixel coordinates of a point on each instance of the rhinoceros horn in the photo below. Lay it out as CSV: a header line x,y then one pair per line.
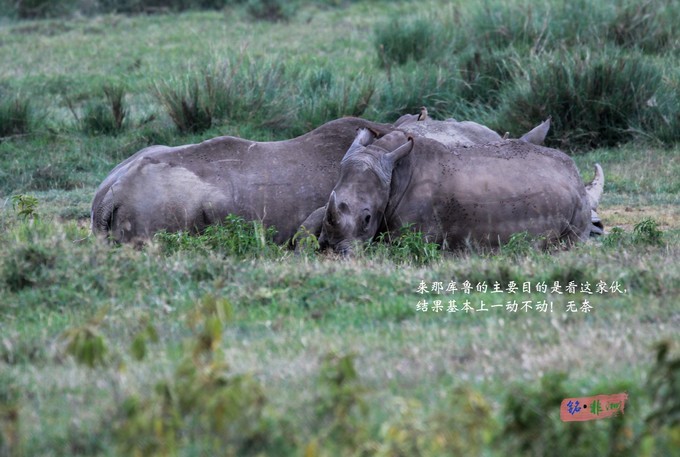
x,y
594,189
332,212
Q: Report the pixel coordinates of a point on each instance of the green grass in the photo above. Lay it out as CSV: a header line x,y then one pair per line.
x,y
227,344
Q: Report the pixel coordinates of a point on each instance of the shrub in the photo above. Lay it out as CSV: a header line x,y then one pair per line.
x,y
240,91
202,406
594,98
402,39
36,9
86,344
186,104
484,73
323,97
271,10
647,232
27,265
257,92
235,237
341,407
664,383
25,206
409,246
661,118
106,118
499,25
651,26
15,116
415,85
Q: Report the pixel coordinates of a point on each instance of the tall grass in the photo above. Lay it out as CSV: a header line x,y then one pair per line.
x,y
235,237
584,64
404,39
15,115
595,98
250,91
265,95
34,9
186,103
324,96
106,117
652,26
271,10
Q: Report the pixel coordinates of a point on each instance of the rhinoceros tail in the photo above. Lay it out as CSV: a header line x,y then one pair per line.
x,y
101,216
594,191
595,188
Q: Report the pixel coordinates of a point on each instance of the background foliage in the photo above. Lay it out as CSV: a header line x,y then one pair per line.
x,y
225,343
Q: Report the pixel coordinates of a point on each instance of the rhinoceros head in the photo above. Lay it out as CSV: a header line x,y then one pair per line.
x,y
358,200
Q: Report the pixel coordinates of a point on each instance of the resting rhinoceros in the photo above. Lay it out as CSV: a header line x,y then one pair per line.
x,y
279,183
481,194
190,187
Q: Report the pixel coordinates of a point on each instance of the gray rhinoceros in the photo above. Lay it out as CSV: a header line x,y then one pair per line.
x,y
480,194
187,188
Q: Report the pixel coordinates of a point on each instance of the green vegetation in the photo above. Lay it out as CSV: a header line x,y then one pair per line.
x,y
234,237
224,343
15,116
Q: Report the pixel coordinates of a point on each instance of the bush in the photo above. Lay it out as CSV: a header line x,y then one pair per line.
x,y
414,85
651,26
271,10
661,119
402,39
499,25
484,73
645,233
257,92
202,403
235,237
595,99
186,104
323,97
408,247
36,9
106,118
15,116
27,265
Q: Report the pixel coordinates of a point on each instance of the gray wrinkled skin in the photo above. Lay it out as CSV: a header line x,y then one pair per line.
x,y
451,133
187,188
481,194
190,187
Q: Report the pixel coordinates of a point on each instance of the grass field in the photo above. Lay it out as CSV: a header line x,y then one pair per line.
x,y
188,350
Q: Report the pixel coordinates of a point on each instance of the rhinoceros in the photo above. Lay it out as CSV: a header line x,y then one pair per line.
x,y
480,194
187,188
453,133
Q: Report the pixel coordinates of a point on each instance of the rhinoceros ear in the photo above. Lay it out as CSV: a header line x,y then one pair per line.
x,y
595,188
364,138
399,153
537,134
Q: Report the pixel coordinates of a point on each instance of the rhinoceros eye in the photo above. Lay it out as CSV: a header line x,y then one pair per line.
x,y
367,219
